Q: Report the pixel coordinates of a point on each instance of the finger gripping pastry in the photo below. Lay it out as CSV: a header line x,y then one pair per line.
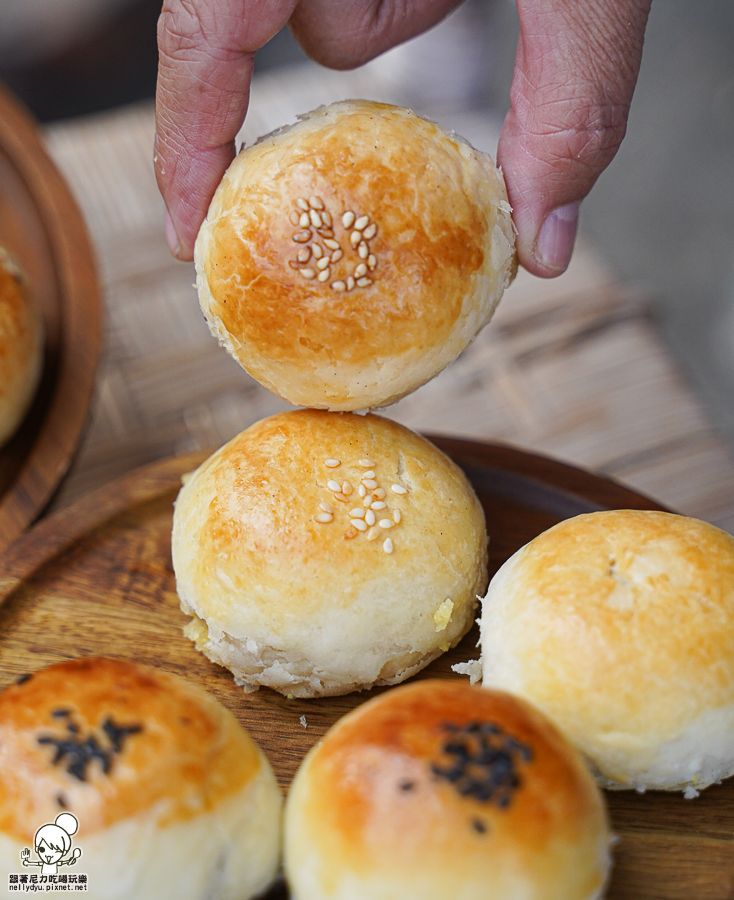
x,y
619,625
438,789
21,347
320,553
171,797
347,259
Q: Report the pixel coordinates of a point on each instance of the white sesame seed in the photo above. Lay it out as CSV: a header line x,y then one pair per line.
x,y
373,534
300,237
326,232
342,498
315,218
304,220
369,474
291,262
333,485
371,262
336,255
366,463
397,516
323,262
355,237
302,204
326,216
363,250
366,502
350,533
348,219
378,504
362,222
332,244
316,202
362,490
369,483
359,524
304,255
386,523
370,517
317,251
332,463
350,283
360,270
364,282
338,286
324,275
398,489
387,545
294,217
379,494
324,507
356,513
323,518
347,488
308,274
370,231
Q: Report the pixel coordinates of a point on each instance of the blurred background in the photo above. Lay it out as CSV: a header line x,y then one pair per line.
x,y
656,243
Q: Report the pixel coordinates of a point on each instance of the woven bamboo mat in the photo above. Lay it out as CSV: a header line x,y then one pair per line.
x,y
572,368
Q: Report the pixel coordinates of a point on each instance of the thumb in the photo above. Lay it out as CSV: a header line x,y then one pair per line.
x,y
575,72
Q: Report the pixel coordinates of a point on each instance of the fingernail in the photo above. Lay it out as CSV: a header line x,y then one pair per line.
x,y
556,237
173,242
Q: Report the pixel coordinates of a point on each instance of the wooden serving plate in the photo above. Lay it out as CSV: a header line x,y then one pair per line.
x,y
96,578
41,225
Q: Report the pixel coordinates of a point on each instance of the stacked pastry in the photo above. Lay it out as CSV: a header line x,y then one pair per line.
x,y
344,261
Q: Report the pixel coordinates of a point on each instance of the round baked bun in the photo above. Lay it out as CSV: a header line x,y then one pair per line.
x,y
21,347
439,789
347,259
297,581
172,798
620,626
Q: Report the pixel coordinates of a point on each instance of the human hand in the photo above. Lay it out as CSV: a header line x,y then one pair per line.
x,y
575,71
25,855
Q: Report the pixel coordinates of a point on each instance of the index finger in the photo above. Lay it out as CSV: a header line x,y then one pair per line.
x,y
206,53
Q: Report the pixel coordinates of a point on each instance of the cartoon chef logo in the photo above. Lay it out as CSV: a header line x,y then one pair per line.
x,y
52,843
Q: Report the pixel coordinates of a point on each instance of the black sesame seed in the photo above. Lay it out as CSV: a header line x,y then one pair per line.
x,y
21,679
479,826
407,785
60,713
61,800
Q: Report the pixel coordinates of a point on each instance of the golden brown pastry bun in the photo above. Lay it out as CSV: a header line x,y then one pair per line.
x,y
437,790
347,259
321,553
172,797
21,347
620,626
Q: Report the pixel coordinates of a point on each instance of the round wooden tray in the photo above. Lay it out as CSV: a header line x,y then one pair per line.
x,y
96,578
42,226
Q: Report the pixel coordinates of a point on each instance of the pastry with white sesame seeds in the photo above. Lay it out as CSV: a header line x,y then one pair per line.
x,y
349,258
21,346
302,574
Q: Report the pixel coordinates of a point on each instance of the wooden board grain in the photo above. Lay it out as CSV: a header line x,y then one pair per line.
x,y
96,578
43,228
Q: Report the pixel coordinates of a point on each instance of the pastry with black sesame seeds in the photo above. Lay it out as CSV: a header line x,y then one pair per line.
x,y
171,798
439,789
